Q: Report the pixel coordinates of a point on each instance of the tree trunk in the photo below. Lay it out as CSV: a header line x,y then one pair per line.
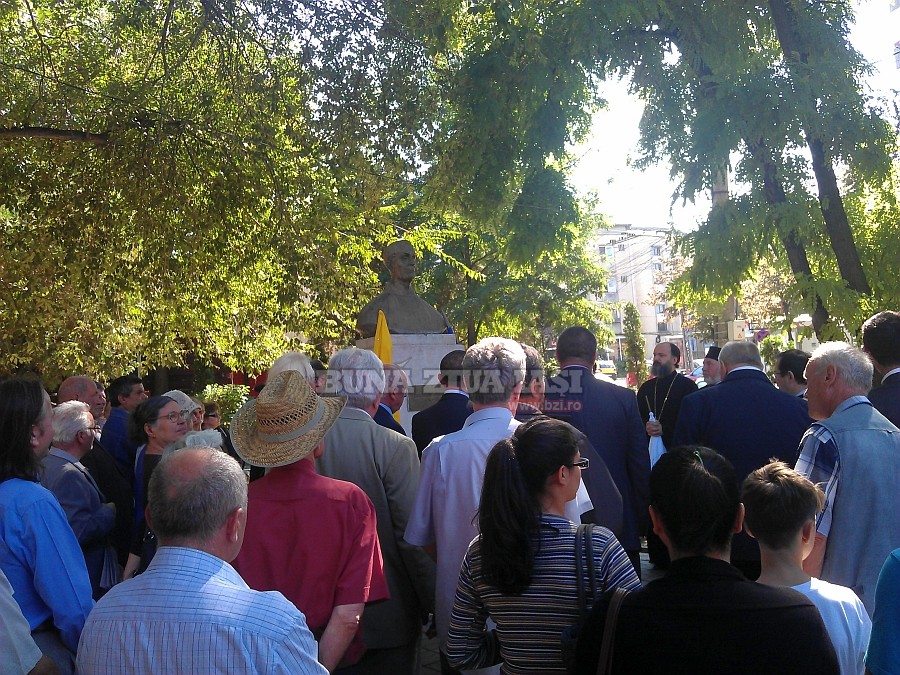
x,y
836,223
796,253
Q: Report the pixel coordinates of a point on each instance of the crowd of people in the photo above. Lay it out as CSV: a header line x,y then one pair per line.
x,y
314,536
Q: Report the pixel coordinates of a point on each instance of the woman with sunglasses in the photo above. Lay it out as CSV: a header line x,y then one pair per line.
x,y
154,424
521,570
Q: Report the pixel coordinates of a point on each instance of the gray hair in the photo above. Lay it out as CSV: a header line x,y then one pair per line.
x,y
394,378
68,419
534,364
357,374
852,363
492,368
292,361
191,506
740,353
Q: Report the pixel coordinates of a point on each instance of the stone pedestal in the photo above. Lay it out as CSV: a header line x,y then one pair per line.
x,y
419,355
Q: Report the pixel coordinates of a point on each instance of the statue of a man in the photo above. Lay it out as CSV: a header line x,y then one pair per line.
x,y
404,310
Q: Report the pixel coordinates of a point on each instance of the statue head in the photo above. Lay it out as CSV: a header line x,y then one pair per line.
x,y
400,259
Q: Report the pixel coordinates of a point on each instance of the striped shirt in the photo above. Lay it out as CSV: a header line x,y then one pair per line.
x,y
527,638
190,612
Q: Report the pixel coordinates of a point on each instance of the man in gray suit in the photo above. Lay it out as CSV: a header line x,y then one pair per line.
x,y
385,465
65,476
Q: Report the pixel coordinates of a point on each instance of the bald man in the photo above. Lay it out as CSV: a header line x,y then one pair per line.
x,y
191,607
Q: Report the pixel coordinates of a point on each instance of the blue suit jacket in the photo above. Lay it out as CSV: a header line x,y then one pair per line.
x,y
748,421
116,440
886,398
608,415
444,417
81,501
385,418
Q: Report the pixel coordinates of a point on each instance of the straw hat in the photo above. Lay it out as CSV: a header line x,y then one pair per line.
x,y
284,423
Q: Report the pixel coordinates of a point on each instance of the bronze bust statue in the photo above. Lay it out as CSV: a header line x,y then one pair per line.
x,y
404,310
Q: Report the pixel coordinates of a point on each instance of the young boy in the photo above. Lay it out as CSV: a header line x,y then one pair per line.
x,y
780,512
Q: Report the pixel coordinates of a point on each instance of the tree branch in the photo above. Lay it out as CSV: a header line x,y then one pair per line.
x,y
56,134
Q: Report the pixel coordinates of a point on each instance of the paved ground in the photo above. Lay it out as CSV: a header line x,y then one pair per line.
x,y
430,660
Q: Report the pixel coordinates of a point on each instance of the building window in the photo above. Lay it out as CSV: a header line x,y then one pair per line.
x,y
623,279
608,251
611,285
621,247
657,267
656,250
662,327
661,308
617,316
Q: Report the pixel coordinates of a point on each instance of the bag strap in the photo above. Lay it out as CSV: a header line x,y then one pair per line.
x,y
579,573
604,665
589,554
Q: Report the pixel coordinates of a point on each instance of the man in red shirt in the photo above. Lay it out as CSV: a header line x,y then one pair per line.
x,y
310,537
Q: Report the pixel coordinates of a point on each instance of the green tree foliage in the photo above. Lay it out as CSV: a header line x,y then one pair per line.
x,y
193,176
767,298
772,346
635,345
189,176
230,398
724,83
483,289
762,82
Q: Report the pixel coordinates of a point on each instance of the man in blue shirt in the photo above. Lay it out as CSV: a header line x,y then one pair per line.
x,y
125,393
191,611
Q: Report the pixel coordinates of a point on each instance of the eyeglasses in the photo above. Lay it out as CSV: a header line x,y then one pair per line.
x,y
581,464
211,415
172,417
93,428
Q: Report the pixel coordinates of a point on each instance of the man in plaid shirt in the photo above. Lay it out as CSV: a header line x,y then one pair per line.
x,y
853,453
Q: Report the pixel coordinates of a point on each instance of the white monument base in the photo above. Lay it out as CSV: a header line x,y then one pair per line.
x,y
419,355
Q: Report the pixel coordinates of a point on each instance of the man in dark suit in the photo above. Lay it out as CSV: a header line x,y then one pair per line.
x,y
881,341
788,372
599,484
608,415
395,387
451,411
746,420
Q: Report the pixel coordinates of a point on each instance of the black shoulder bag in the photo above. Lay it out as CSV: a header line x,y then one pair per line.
x,y
584,550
